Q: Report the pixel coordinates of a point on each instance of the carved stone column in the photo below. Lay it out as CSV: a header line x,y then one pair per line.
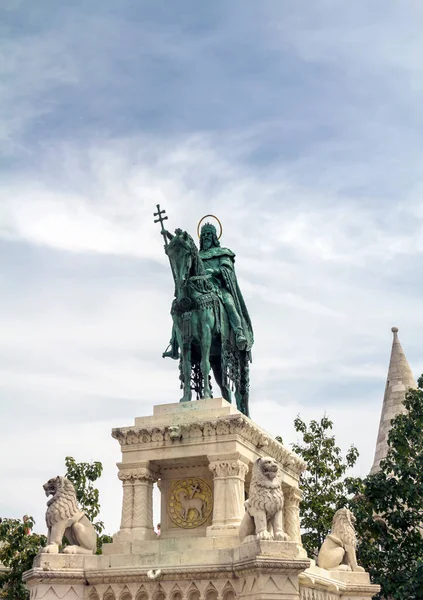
x,y
228,496
219,470
127,502
142,516
236,472
292,499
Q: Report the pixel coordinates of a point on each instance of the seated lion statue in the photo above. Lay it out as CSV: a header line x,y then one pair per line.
x,y
64,518
264,507
338,550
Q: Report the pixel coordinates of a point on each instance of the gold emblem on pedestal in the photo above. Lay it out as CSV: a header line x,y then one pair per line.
x,y
190,502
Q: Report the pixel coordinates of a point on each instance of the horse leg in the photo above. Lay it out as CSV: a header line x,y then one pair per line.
x,y
186,371
205,360
217,372
206,339
185,358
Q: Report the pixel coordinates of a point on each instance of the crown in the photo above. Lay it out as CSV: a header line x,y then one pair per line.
x,y
208,227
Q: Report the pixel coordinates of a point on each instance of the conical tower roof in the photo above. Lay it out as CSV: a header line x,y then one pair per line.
x,y
400,379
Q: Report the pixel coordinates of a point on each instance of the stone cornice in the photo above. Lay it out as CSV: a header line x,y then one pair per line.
x,y
221,426
130,575
309,578
264,564
58,575
127,575
269,564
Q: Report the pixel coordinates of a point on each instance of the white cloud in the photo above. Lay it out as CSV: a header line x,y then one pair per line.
x,y
112,213
31,66
318,189
87,338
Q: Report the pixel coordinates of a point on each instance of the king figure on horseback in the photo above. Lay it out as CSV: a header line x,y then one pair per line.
x,y
211,325
219,263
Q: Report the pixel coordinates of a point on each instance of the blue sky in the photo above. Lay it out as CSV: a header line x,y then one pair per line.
x,y
298,124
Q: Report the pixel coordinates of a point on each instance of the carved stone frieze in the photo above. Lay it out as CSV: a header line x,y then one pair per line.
x,y
209,429
311,594
231,425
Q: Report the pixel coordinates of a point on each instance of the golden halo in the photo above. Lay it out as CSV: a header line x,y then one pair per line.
x,y
205,217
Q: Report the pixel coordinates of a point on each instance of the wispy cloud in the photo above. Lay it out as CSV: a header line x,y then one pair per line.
x,y
299,128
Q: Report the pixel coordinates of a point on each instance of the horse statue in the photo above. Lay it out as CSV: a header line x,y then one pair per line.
x,y
205,330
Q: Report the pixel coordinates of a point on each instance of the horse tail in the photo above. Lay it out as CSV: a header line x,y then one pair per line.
x,y
217,314
244,388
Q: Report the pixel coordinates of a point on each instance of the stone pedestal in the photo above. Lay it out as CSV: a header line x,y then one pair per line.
x,y
200,454
194,569
191,448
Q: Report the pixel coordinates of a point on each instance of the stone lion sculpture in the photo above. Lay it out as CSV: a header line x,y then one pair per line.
x,y
338,550
264,507
64,518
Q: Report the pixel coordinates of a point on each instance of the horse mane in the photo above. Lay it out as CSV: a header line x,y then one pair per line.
x,y
198,266
181,236
197,262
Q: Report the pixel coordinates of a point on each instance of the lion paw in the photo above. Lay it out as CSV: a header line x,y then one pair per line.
x,y
77,550
281,536
264,535
50,549
359,569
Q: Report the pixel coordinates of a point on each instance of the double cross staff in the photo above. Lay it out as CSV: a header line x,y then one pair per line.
x,y
160,219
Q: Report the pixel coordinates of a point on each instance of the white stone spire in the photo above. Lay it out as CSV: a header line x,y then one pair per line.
x,y
399,380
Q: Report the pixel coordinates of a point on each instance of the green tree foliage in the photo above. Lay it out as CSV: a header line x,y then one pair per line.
x,y
389,508
83,475
17,552
323,483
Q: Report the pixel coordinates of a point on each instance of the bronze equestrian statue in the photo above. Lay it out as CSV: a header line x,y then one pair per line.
x,y
211,326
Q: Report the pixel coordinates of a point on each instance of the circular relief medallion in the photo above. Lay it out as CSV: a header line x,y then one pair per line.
x,y
190,502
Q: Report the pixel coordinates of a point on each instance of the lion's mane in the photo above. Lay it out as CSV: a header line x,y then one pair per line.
x,y
343,527
63,505
265,492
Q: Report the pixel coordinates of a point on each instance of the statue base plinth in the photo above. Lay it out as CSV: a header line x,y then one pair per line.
x,y
195,568
200,454
252,547
357,583
356,577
